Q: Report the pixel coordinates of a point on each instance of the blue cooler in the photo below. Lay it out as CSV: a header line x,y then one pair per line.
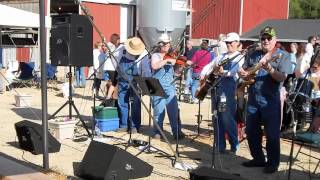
x,y
106,125
107,118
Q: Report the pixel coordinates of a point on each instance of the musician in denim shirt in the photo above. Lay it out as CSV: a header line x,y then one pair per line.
x,y
127,56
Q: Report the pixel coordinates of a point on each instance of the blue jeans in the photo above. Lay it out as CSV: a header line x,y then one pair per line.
x,y
124,94
194,85
226,122
170,103
188,81
264,111
80,77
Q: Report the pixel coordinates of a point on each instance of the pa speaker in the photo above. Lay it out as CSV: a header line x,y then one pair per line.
x,y
206,173
30,138
71,40
107,162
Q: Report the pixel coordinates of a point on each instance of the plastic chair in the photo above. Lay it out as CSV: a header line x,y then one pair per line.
x,y
307,139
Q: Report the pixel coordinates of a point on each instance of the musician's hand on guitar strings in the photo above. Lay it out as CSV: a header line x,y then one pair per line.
x,y
267,66
242,73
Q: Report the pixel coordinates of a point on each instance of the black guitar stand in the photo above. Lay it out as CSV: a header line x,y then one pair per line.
x,y
71,104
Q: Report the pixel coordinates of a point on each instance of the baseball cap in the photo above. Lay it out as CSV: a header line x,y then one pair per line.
x,y
232,37
269,31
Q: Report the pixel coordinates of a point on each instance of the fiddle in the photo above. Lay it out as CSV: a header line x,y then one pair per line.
x,y
170,55
180,60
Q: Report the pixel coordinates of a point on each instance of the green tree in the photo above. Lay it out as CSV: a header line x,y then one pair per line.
x,y
304,9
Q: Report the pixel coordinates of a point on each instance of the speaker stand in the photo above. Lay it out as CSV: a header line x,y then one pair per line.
x,y
71,104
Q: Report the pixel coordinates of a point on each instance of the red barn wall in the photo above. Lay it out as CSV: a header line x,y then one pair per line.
x,y
257,11
212,17
106,17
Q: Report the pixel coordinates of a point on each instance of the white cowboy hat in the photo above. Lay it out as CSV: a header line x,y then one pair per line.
x,y
134,46
164,38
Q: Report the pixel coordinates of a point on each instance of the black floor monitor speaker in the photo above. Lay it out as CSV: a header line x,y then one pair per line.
x,y
108,162
71,40
30,138
206,173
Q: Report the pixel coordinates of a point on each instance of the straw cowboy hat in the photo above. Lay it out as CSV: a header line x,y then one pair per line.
x,y
165,38
134,46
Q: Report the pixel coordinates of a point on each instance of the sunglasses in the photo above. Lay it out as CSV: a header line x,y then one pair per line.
x,y
229,42
263,38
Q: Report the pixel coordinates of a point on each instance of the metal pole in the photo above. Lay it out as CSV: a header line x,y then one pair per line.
x,y
43,83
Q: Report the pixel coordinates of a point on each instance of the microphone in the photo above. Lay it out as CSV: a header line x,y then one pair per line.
x,y
214,46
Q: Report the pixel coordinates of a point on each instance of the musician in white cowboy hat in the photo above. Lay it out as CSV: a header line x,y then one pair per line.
x,y
126,56
163,70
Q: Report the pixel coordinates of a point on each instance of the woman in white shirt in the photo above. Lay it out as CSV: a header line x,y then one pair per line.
x,y
110,65
303,60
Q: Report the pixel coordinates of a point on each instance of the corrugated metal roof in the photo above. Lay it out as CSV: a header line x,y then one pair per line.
x,y
288,30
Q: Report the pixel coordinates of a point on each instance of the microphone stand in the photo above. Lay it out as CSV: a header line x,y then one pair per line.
x,y
124,75
94,74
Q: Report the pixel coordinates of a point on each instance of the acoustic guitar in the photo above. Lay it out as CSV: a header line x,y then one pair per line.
x,y
252,72
207,82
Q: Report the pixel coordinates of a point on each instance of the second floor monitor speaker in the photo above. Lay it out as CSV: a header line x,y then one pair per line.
x,y
30,138
71,40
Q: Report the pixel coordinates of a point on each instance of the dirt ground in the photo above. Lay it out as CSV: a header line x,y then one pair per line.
x,y
195,150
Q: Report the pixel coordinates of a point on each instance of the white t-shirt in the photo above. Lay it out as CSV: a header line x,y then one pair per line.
x,y
237,62
309,50
303,63
110,64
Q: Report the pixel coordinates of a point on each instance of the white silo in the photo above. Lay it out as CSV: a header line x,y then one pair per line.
x,y
155,17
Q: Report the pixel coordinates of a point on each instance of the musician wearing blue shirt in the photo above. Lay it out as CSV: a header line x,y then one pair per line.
x,y
264,100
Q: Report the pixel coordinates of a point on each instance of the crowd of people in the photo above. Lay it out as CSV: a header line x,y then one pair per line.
x,y
272,65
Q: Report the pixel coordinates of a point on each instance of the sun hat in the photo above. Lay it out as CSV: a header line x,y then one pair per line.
x,y
134,46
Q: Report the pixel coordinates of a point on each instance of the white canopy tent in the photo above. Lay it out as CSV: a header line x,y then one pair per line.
x,y
13,17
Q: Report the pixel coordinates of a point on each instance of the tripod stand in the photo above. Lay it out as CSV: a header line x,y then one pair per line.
x,y
71,104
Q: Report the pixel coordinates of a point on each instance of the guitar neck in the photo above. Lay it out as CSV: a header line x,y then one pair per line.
x,y
255,69
259,65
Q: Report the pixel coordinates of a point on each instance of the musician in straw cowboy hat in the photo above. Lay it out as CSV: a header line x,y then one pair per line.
x,y
163,70
126,57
